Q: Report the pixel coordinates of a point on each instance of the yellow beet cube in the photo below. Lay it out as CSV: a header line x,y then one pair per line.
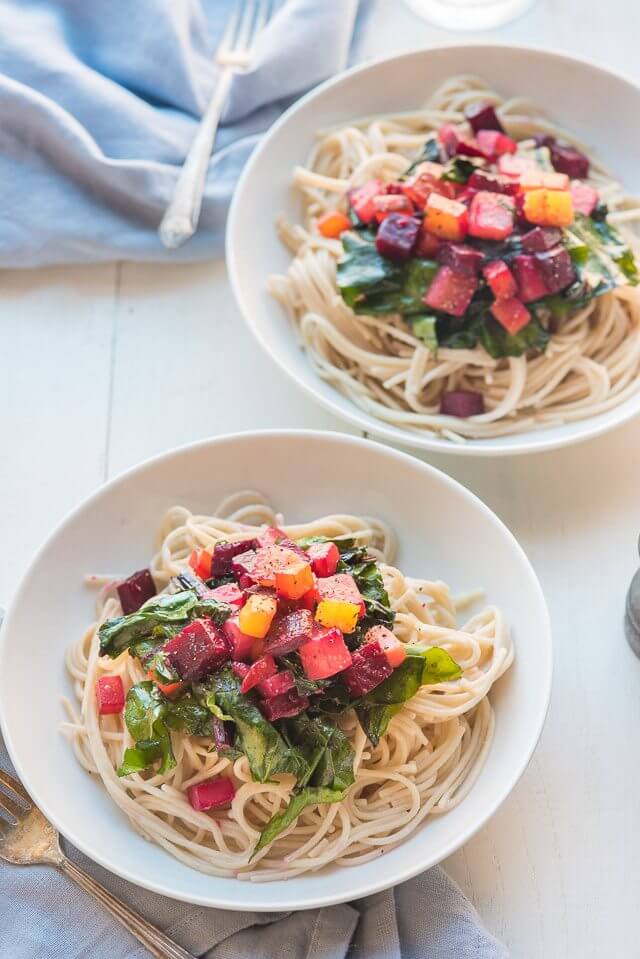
x,y
548,207
339,614
445,218
256,616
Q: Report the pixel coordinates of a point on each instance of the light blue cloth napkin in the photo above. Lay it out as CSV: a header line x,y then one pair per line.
x,y
99,102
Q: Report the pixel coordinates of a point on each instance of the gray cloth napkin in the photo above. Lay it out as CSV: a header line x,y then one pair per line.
x,y
43,915
100,103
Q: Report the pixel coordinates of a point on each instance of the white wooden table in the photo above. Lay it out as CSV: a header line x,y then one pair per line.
x,y
101,367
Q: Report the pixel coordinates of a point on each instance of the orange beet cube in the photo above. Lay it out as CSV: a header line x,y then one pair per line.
x,y
333,224
256,616
445,218
294,581
548,207
335,613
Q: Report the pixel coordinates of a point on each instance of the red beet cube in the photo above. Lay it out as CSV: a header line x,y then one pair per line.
x,y
290,631
136,590
495,144
449,137
557,268
263,668
324,558
200,648
361,200
392,203
241,644
230,594
491,182
223,554
541,238
531,284
240,669
242,565
342,586
450,291
325,655
370,667
288,704
482,116
511,313
427,245
211,793
393,649
569,160
585,198
276,685
500,279
461,403
270,536
397,236
461,258
109,695
491,216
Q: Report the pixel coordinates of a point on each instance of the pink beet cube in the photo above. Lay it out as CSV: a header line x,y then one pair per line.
x,y
240,643
290,631
531,284
451,292
284,706
491,215
200,648
325,655
230,593
110,695
324,558
276,685
211,793
370,668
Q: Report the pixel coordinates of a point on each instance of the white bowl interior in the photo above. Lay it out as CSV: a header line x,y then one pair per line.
x,y
444,532
594,104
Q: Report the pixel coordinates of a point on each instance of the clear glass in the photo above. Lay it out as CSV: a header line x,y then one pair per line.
x,y
469,14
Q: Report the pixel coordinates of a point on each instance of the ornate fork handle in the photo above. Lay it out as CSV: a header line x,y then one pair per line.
x,y
155,941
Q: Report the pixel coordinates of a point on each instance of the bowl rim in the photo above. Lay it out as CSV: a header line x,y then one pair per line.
x,y
533,441
235,902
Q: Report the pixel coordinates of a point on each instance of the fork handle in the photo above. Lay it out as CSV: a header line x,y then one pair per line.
x,y
155,941
181,217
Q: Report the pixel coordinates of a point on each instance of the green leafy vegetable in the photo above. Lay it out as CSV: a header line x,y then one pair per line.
x,y
189,715
144,705
424,328
311,796
459,169
136,760
422,667
498,342
430,152
369,581
602,259
344,543
260,741
121,632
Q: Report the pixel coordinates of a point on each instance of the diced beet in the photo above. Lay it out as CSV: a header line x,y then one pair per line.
x,y
461,403
325,655
566,159
222,734
461,258
229,593
290,631
242,565
495,144
531,284
543,139
288,704
270,536
369,668
342,586
482,116
261,669
491,216
324,558
514,166
449,137
223,554
470,148
585,198
200,648
491,182
511,313
361,199
541,238
393,649
241,644
240,669
136,590
200,562
392,203
500,279
276,685
450,291
211,793
109,695
557,268
397,236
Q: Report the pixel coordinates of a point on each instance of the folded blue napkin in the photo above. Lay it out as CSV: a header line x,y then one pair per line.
x,y
99,105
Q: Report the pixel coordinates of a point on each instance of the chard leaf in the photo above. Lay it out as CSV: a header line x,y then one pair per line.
x,y
369,580
498,342
602,259
189,715
459,169
119,633
265,749
311,796
430,151
326,750
144,705
424,328
161,733
136,759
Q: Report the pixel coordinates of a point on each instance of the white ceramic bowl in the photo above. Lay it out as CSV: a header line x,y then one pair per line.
x,y
444,532
592,103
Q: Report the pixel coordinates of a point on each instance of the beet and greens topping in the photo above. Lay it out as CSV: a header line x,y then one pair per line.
x,y
483,241
268,643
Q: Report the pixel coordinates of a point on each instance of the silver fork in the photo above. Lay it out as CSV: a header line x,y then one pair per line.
x,y
234,55
27,838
